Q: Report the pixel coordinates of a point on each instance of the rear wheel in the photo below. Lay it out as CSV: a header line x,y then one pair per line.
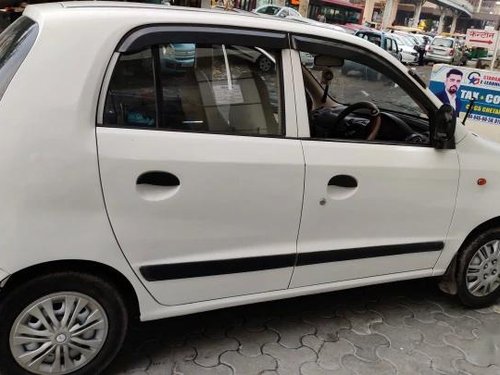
x,y
65,323
478,278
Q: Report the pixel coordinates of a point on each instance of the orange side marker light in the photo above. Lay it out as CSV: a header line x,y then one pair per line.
x,y
481,181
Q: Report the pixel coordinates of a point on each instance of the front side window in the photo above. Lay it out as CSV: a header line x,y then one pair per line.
x,y
15,43
213,88
334,84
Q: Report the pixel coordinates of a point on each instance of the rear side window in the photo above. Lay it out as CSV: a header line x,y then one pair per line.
x,y
210,88
15,43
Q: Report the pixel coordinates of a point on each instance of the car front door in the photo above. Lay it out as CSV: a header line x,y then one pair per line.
x,y
371,206
201,170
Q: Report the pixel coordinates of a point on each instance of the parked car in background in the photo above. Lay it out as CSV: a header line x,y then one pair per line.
x,y
444,50
278,11
382,39
407,48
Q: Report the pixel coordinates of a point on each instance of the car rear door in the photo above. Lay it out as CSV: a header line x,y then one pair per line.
x,y
201,171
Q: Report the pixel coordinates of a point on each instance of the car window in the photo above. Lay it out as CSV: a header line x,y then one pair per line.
x,y
403,119
388,44
271,10
284,13
15,43
438,42
212,88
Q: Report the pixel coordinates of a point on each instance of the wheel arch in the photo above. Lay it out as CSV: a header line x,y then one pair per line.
x,y
448,281
101,270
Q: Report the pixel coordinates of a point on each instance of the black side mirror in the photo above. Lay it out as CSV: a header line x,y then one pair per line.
x,y
443,127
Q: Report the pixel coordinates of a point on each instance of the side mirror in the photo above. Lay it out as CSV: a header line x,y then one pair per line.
x,y
443,127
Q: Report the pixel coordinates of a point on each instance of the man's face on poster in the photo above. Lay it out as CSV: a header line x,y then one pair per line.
x,y
452,83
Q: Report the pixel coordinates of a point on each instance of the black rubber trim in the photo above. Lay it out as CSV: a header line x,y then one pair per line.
x,y
216,267
229,266
366,252
150,35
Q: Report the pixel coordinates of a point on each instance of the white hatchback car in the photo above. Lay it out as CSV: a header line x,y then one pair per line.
x,y
133,189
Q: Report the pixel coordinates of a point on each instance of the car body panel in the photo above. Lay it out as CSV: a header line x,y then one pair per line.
x,y
56,208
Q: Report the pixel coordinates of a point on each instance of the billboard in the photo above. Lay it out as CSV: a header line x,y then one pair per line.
x,y
460,87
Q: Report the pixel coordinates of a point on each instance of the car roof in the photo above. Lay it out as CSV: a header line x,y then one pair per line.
x,y
122,17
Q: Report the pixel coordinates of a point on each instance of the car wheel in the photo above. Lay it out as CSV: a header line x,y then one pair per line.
x,y
265,64
478,278
63,323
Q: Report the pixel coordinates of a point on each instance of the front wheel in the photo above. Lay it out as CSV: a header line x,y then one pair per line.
x,y
478,277
64,323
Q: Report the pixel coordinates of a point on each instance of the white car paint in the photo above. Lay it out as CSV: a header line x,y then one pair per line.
x,y
55,208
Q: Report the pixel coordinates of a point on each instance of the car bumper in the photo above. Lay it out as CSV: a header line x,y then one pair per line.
x,y
438,58
408,58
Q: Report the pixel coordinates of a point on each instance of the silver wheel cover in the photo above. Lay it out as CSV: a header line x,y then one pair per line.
x,y
483,272
59,333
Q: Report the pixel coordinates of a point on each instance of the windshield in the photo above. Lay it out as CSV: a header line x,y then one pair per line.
x,y
403,40
15,43
448,43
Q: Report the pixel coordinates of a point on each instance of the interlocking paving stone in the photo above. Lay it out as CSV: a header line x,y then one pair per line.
x,y
405,362
328,328
433,332
403,328
392,314
423,311
291,332
191,368
366,345
331,353
289,360
208,350
312,368
360,321
313,342
463,326
361,367
251,342
442,357
244,365
403,339
470,369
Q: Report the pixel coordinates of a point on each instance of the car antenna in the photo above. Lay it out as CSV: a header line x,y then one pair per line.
x,y
471,105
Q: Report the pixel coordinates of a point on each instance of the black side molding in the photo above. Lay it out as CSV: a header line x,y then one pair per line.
x,y
216,267
174,271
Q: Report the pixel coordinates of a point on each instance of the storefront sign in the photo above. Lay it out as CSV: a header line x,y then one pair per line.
x,y
459,86
481,38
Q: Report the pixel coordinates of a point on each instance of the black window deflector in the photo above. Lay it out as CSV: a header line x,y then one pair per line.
x,y
147,36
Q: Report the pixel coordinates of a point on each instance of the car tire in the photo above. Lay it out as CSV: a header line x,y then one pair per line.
x,y
264,64
80,319
478,270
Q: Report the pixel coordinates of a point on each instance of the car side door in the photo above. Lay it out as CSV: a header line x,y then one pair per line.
x,y
201,170
376,205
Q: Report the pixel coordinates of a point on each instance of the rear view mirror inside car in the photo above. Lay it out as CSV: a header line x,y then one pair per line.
x,y
328,61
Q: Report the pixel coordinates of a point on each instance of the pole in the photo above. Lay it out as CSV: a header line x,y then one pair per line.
x,y
495,51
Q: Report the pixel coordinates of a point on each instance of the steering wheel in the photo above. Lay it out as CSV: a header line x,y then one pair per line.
x,y
375,119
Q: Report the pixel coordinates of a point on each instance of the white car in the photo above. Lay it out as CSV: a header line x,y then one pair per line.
x,y
277,11
133,191
408,53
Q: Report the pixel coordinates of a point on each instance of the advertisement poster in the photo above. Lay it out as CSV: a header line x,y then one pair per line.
x,y
458,86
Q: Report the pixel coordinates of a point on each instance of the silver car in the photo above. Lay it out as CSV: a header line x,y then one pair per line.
x,y
444,50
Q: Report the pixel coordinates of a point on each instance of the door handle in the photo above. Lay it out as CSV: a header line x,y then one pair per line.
x,y
344,181
158,178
